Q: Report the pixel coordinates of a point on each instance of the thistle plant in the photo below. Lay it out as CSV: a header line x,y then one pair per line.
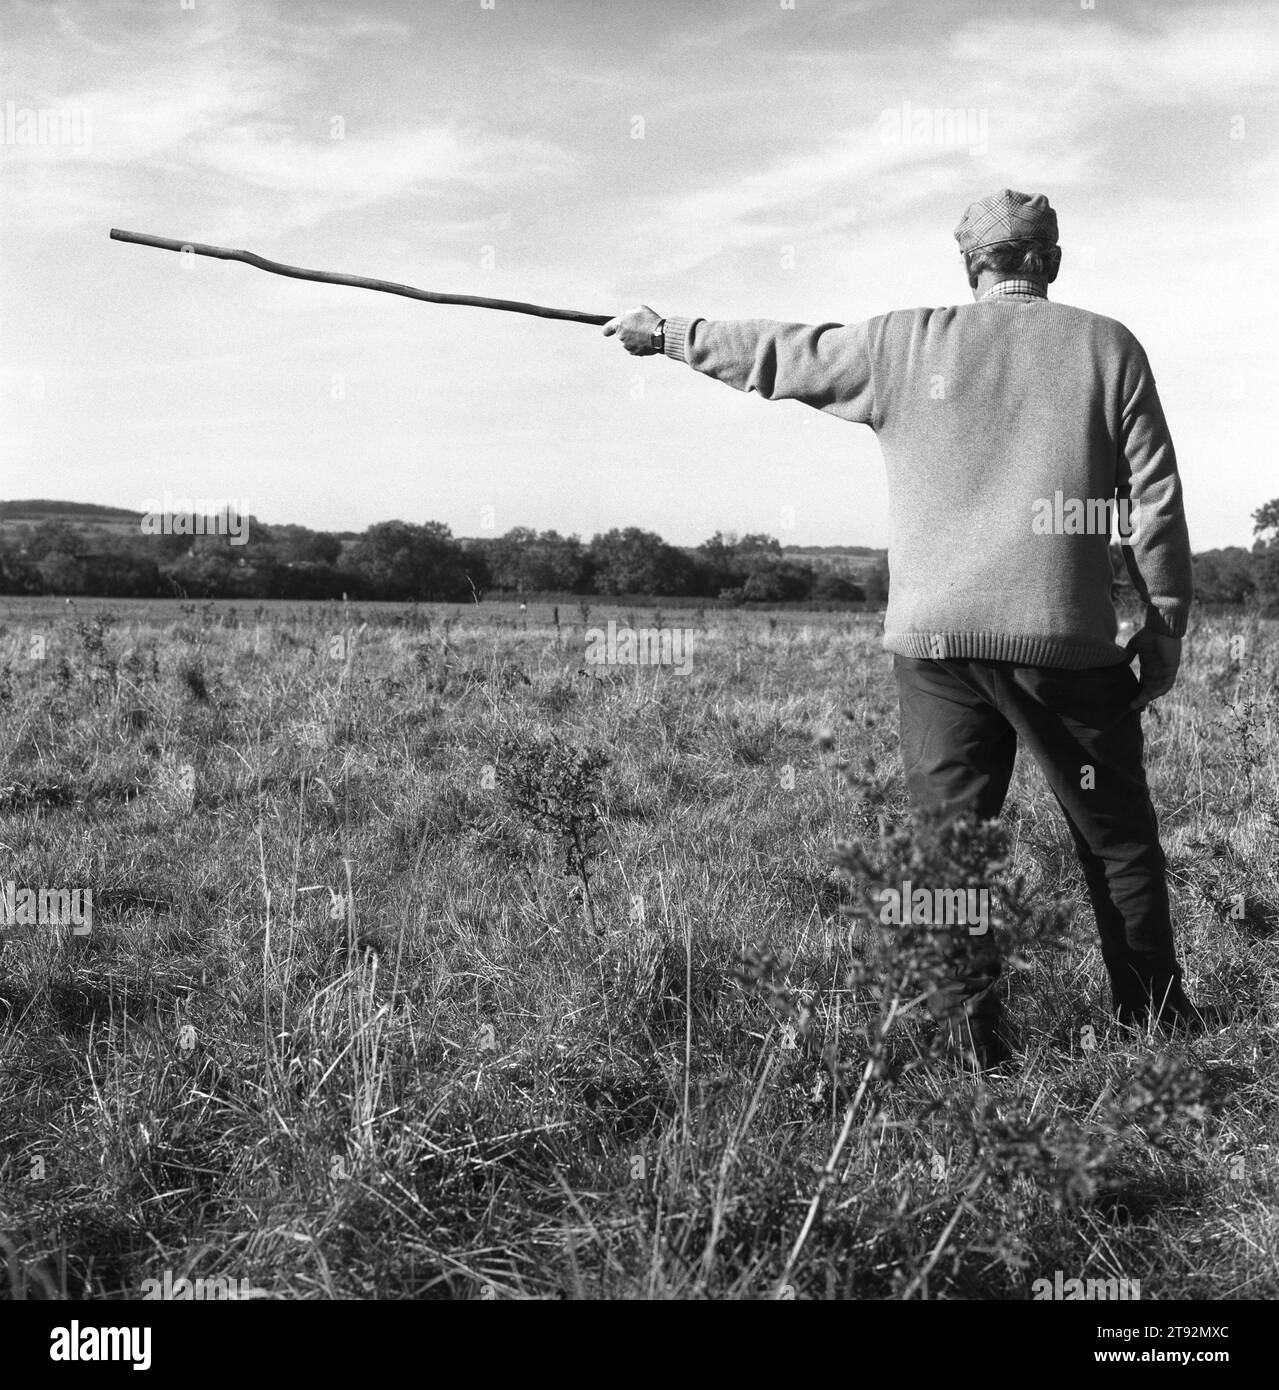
x,y
955,856
554,787
99,666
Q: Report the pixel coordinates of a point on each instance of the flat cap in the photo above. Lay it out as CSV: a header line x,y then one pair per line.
x,y
1006,216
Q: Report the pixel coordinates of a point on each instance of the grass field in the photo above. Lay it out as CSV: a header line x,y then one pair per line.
x,y
394,989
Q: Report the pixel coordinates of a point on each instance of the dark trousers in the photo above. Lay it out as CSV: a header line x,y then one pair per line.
x,y
960,724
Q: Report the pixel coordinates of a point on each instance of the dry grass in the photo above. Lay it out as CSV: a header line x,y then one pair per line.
x,y
343,1027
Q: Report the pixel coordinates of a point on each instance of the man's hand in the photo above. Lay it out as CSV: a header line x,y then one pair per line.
x,y
635,329
1158,658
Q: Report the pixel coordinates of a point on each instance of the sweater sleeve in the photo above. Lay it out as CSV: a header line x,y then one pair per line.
x,y
1157,554
826,365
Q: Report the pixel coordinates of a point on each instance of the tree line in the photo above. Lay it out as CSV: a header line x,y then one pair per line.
x,y
399,560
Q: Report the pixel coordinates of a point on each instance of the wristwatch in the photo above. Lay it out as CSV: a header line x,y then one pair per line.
x,y
658,341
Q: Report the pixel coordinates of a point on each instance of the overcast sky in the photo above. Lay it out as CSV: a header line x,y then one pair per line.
x,y
728,158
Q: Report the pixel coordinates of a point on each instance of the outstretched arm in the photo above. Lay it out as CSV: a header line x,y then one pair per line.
x,y
826,365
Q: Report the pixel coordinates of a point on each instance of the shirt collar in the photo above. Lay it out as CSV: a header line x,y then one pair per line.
x,y
1017,287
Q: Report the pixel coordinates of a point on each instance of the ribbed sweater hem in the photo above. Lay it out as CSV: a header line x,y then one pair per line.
x,y
1022,650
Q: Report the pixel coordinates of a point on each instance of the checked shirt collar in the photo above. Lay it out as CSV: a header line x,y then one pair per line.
x,y
1017,287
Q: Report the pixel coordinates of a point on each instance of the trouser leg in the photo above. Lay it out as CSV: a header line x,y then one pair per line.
x,y
1089,744
958,753
957,749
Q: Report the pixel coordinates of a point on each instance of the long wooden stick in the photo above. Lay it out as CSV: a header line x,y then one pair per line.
x,y
361,282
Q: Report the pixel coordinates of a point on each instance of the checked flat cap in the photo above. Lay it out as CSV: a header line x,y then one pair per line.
x,y
1006,216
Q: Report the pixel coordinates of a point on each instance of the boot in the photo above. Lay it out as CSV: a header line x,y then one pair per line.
x,y
1172,1010
981,1040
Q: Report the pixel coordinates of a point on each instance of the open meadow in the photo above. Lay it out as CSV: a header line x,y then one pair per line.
x,y
430,959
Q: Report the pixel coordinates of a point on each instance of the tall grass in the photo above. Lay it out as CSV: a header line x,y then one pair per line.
x,y
429,961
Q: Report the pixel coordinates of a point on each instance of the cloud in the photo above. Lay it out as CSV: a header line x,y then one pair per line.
x,y
233,117
1165,57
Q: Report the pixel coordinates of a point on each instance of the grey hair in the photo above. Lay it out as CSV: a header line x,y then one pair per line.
x,y
1036,259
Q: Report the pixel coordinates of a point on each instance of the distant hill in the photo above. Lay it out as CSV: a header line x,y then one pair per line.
x,y
835,550
853,561
43,509
19,519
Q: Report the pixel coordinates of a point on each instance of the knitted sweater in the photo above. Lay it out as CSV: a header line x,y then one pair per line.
x,y
1000,422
